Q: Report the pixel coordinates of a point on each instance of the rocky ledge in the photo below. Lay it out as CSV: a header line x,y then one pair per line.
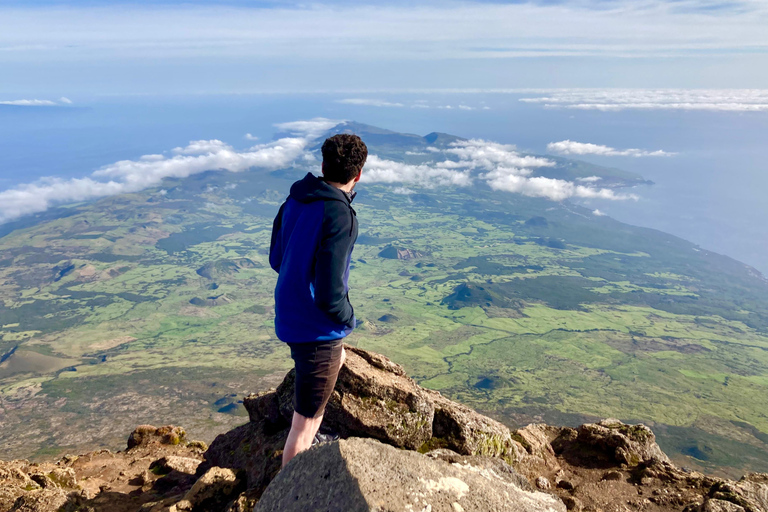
x,y
402,448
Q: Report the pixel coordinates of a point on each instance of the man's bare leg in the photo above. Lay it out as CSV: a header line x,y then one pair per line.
x,y
300,437
303,430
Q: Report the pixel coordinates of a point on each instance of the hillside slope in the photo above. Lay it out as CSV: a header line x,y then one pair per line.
x,y
157,306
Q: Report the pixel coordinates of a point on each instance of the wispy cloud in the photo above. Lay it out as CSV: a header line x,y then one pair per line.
x,y
37,103
455,30
309,129
569,147
150,170
739,100
372,102
369,102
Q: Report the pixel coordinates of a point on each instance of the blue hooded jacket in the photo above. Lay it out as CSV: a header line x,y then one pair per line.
x,y
311,249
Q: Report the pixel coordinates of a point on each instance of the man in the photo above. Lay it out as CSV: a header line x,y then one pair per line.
x,y
312,240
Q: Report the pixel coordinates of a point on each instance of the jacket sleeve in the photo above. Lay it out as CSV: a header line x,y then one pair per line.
x,y
276,244
331,267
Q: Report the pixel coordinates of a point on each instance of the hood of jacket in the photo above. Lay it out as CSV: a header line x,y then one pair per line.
x,y
311,188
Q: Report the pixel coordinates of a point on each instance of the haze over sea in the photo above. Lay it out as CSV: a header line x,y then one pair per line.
x,y
709,191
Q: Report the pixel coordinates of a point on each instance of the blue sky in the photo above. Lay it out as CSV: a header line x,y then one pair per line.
x,y
55,48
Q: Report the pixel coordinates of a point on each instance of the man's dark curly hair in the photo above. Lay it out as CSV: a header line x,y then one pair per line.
x,y
343,157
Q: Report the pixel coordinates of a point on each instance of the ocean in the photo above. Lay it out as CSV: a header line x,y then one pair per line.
x,y
711,191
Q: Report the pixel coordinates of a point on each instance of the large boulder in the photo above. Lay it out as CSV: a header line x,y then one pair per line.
x,y
148,435
622,443
750,493
365,475
373,398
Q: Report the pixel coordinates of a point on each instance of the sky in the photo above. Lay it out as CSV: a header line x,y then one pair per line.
x,y
51,49
676,90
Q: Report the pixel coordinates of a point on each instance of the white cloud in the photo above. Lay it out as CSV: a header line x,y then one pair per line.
x,y
369,102
500,165
477,153
380,170
466,107
463,162
37,103
510,180
598,213
29,103
569,147
738,100
248,136
589,179
128,176
200,147
310,129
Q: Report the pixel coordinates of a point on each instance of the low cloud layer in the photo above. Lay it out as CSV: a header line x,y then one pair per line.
x,y
736,100
569,147
37,103
461,164
369,102
150,170
422,104
499,165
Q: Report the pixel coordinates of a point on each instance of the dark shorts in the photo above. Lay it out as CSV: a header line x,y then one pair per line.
x,y
317,368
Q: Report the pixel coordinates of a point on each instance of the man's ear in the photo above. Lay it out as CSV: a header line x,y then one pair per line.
x,y
322,168
358,176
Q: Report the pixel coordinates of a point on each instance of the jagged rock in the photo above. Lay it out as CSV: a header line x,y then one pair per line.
x,y
495,465
241,504
212,491
263,406
721,506
64,477
572,503
543,484
43,481
750,493
536,438
366,475
627,444
254,447
145,435
375,398
44,500
170,463
142,479
465,431
612,475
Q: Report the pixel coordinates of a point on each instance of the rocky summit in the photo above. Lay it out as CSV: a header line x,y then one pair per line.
x,y
402,448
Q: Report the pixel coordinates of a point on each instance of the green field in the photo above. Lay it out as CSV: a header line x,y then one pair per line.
x,y
157,307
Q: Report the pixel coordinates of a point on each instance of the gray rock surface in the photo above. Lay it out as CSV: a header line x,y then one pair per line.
x,y
628,444
366,475
750,493
212,491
